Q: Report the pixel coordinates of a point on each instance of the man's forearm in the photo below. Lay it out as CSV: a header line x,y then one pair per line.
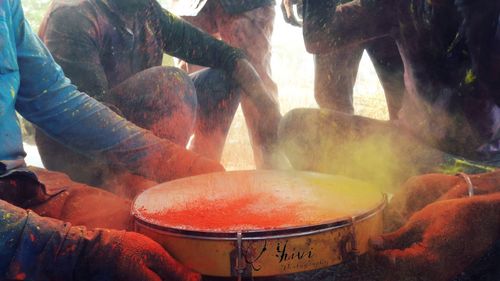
x,y
154,158
85,125
188,43
32,246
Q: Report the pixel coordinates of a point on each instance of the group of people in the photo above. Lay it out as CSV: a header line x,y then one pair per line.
x,y
131,127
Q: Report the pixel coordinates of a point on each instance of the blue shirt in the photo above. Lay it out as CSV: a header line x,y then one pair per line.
x,y
32,84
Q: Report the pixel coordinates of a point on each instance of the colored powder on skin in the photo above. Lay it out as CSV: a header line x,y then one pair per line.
x,y
21,276
253,212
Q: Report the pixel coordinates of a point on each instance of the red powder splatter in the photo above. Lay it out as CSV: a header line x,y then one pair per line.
x,y
254,212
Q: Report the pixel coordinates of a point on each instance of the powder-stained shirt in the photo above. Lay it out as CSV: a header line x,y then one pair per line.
x,y
451,66
230,6
240,6
32,84
98,47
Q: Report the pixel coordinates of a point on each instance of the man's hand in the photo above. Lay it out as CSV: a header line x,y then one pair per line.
x,y
288,14
41,248
486,183
205,165
265,113
441,240
415,194
420,191
128,256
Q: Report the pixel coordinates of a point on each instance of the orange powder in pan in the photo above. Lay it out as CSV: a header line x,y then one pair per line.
x,y
255,211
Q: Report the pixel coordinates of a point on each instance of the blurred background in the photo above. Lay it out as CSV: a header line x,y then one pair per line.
x,y
293,72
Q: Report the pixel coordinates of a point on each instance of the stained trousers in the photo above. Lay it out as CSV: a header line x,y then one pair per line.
x,y
166,101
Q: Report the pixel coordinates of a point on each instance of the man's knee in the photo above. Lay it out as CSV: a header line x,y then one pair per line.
x,y
57,157
214,87
292,124
176,83
296,134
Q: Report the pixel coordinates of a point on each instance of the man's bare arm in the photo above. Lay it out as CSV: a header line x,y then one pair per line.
x,y
441,240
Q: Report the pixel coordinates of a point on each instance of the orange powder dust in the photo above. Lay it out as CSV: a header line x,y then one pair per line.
x,y
253,212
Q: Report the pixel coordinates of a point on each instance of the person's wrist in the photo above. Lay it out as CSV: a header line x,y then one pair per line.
x,y
245,74
471,185
471,189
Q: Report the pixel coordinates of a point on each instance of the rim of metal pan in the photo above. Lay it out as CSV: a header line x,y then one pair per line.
x,y
262,234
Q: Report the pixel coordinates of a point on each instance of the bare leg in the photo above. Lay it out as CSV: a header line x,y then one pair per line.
x,y
251,31
204,20
389,66
160,99
334,79
336,143
217,105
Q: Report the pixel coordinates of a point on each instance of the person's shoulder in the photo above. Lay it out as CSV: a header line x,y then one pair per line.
x,y
241,6
73,11
72,16
72,6
70,3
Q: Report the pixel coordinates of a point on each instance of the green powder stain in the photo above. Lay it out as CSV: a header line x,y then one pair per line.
x,y
464,166
470,77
